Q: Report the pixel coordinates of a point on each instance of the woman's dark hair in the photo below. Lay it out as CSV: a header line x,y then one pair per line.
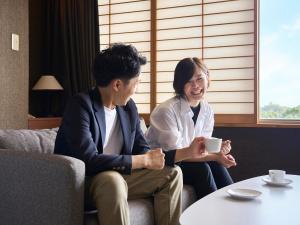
x,y
184,71
118,61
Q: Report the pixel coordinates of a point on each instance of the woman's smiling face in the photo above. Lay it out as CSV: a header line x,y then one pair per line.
x,y
196,87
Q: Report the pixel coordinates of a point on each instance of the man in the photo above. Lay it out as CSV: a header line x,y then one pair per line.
x,y
102,128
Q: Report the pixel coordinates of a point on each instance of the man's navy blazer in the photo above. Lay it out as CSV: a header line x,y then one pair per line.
x,y
82,133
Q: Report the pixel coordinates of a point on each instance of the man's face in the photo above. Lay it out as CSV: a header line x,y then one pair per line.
x,y
126,89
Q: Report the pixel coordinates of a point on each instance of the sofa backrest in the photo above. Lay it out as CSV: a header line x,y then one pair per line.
x,y
41,141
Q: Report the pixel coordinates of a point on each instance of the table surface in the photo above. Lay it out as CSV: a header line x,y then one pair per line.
x,y
276,205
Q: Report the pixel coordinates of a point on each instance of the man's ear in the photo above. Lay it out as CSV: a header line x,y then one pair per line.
x,y
116,84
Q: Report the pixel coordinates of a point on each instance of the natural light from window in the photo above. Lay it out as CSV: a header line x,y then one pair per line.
x,y
279,53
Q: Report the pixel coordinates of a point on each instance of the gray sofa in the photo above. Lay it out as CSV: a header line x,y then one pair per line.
x,y
40,188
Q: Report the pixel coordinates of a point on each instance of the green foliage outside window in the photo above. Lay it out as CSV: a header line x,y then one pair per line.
x,y
275,111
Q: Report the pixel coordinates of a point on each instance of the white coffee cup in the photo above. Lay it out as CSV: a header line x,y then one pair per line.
x,y
277,175
213,145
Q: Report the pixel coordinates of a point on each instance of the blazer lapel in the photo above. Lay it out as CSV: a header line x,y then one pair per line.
x,y
126,128
100,115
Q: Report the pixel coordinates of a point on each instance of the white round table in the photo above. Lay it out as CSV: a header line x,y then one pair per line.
x,y
275,206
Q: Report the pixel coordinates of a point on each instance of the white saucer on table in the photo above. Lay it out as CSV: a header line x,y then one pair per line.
x,y
284,182
242,193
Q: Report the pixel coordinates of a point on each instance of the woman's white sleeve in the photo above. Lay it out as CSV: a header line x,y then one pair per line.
x,y
164,130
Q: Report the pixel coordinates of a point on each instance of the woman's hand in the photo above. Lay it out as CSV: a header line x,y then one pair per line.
x,y
225,147
226,160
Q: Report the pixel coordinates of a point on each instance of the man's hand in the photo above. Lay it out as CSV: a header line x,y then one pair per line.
x,y
155,159
197,148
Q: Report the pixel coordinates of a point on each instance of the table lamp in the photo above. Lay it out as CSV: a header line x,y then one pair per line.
x,y
48,84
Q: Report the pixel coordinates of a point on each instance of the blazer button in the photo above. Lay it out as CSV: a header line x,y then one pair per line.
x,y
123,167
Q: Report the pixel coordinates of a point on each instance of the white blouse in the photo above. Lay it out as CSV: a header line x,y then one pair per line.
x,y
172,126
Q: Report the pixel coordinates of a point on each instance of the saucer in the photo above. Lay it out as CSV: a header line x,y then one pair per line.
x,y
284,182
242,193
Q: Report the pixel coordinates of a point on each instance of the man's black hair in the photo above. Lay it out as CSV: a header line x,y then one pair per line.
x,y
119,61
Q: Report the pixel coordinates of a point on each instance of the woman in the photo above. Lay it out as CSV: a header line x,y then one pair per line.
x,y
176,122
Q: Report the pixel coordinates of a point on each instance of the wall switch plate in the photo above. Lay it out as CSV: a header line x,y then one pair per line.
x,y
15,42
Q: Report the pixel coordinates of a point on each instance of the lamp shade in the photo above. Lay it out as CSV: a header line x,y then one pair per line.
x,y
47,82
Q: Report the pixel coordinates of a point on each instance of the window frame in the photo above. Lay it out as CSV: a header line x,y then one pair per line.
x,y
221,120
266,122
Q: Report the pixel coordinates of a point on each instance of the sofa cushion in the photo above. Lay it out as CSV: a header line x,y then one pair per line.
x,y
141,210
41,141
188,196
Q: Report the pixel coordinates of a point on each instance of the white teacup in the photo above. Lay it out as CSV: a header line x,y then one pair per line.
x,y
213,145
277,175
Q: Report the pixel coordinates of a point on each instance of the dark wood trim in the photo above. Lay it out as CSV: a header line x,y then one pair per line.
x,y
237,120
207,14
225,119
143,92
259,125
207,3
224,57
256,61
126,12
221,24
128,32
234,79
221,46
208,25
153,56
166,82
232,68
119,23
202,30
237,102
109,21
225,12
208,36
44,123
146,117
117,3
181,6
233,34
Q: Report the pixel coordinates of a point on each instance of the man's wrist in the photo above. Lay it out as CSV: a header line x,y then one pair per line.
x,y
139,161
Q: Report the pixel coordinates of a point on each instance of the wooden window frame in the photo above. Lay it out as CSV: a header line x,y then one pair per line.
x,y
275,123
235,120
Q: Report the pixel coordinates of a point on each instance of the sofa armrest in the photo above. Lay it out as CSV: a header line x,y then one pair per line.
x,y
41,189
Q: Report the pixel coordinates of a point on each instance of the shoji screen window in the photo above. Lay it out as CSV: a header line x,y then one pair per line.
x,y
229,52
179,35
129,22
222,34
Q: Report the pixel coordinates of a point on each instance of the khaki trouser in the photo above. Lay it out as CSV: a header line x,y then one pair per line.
x,y
109,191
